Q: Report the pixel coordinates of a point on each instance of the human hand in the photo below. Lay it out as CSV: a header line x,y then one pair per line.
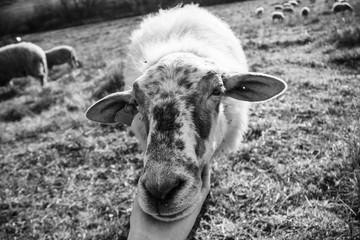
x,y
145,227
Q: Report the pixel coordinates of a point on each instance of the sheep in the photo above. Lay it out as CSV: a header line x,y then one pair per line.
x,y
189,106
278,16
278,7
21,60
305,11
61,55
289,9
294,3
259,11
341,7
287,5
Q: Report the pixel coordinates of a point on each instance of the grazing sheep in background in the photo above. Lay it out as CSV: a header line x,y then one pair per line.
x,y
259,11
305,11
278,7
278,16
287,5
61,55
289,9
189,106
21,60
294,3
341,7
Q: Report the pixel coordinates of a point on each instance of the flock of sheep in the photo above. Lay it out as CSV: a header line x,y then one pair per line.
x,y
289,7
27,59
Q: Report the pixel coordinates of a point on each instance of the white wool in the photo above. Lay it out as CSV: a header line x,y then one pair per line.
x,y
21,60
187,29
194,30
278,15
60,55
259,11
305,11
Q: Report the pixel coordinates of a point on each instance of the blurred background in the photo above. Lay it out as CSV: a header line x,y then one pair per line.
x,y
26,16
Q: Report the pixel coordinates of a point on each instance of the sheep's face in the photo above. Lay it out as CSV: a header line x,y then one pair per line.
x,y
178,104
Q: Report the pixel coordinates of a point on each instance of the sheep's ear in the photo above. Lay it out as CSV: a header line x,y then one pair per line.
x,y
253,87
118,107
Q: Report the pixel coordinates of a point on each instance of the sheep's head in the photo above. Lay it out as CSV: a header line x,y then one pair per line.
x,y
178,102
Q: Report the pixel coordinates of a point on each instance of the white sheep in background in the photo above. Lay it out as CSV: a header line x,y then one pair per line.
x,y
342,7
189,106
278,7
259,11
305,11
279,16
289,9
287,5
294,3
21,60
61,55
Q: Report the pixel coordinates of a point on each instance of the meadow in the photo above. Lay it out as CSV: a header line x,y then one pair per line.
x,y
296,177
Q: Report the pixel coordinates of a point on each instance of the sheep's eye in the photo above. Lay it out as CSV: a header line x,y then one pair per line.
x,y
216,92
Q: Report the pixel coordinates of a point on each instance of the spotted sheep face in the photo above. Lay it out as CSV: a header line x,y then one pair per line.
x,y
178,103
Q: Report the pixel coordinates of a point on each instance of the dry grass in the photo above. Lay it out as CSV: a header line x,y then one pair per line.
x,y
297,177
112,82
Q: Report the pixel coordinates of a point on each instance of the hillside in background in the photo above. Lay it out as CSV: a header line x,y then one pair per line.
x,y
26,16
297,176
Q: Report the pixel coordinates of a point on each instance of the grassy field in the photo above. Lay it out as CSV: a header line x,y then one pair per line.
x,y
297,177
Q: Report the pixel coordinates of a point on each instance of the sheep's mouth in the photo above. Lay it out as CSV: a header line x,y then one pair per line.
x,y
174,216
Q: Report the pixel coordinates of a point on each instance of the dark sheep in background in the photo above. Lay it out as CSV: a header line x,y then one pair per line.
x,y
21,60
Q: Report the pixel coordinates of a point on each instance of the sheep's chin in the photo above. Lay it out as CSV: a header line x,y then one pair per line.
x,y
176,216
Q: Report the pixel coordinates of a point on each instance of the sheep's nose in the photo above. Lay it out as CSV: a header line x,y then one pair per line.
x,y
164,190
